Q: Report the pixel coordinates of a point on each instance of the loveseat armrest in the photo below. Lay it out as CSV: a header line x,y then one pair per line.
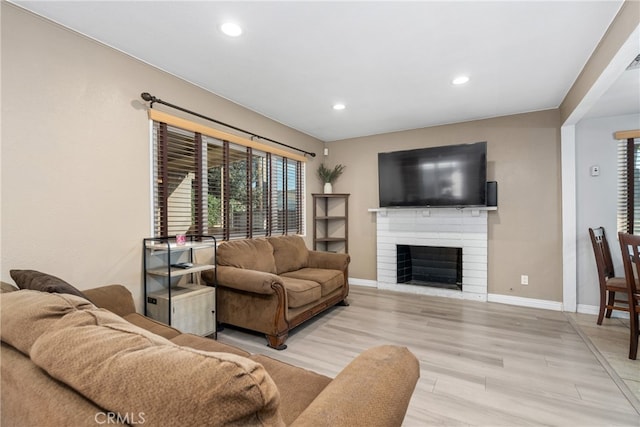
x,y
329,260
243,279
373,390
115,298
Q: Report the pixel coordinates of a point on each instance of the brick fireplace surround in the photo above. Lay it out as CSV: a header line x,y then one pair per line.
x,y
444,227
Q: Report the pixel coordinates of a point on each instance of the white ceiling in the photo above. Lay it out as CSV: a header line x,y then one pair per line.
x,y
390,62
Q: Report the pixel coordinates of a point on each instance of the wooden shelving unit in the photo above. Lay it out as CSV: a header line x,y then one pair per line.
x,y
331,222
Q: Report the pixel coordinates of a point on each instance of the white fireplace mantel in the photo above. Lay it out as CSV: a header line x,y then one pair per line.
x,y
427,209
445,227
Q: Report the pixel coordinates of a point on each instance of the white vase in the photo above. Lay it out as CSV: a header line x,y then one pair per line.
x,y
328,188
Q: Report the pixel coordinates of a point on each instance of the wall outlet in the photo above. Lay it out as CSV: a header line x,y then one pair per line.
x,y
524,279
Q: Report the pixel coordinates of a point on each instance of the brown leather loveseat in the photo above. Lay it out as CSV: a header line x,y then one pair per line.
x,y
271,285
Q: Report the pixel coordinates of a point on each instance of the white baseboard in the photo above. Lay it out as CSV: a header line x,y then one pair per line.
x,y
525,302
594,309
363,282
501,299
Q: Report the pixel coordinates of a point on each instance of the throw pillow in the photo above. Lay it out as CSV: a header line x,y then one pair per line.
x,y
37,281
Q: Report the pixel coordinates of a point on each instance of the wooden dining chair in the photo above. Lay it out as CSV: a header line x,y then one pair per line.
x,y
610,284
630,246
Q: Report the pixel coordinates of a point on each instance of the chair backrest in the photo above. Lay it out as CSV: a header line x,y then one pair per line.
x,y
630,246
602,253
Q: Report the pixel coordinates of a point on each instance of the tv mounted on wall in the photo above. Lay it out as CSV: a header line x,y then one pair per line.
x,y
450,176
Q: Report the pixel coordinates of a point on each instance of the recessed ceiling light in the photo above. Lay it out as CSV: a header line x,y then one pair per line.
x,y
231,29
460,80
339,106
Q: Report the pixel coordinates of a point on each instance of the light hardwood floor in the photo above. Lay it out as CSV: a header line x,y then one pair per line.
x,y
482,364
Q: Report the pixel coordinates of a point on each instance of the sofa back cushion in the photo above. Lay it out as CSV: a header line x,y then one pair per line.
x,y
115,298
27,314
290,253
127,370
251,254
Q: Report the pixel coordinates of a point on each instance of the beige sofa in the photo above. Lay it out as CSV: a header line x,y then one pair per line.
x,y
271,285
65,362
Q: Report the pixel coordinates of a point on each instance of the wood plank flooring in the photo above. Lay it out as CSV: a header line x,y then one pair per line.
x,y
482,364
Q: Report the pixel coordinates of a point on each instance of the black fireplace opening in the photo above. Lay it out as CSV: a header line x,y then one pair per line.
x,y
433,266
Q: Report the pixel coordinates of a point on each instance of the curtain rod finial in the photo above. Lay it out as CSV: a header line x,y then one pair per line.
x,y
147,96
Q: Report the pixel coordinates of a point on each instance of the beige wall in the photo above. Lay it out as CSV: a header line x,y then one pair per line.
x,y
525,233
75,193
75,151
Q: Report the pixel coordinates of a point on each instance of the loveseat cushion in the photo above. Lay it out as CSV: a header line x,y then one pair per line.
x,y
27,314
290,253
301,292
125,369
329,280
251,254
38,281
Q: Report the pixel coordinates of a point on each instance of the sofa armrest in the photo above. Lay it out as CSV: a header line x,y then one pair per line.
x,y
373,390
115,298
7,287
243,279
329,260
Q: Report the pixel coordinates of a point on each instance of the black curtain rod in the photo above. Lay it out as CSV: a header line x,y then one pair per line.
x,y
148,97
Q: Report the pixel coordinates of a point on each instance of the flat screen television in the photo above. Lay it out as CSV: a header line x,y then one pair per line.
x,y
451,175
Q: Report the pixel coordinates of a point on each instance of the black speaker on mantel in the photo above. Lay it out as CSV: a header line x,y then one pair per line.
x,y
492,193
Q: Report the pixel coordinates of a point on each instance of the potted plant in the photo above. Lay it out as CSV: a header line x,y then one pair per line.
x,y
329,176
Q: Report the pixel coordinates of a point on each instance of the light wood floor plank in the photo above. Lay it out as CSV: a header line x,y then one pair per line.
x,y
481,364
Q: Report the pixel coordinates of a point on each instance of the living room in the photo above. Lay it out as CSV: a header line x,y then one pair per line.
x,y
76,168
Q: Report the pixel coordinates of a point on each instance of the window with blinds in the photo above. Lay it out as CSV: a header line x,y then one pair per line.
x,y
629,186
203,185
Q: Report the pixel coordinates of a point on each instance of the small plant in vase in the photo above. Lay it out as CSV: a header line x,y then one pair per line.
x,y
329,176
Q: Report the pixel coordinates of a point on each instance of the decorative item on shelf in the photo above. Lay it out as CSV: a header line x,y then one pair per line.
x,y
329,176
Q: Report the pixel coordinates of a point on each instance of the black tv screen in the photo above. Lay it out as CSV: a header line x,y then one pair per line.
x,y
451,175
